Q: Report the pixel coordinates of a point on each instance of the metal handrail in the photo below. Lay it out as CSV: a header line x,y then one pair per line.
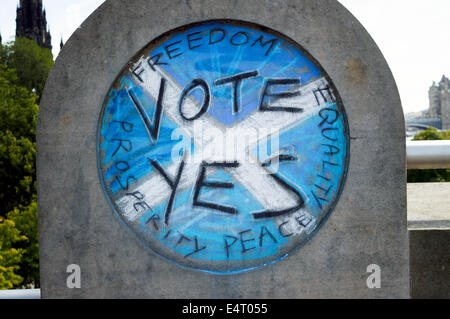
x,y
428,154
20,294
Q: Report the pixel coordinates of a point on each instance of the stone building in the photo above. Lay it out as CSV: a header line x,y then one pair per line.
x,y
31,23
439,95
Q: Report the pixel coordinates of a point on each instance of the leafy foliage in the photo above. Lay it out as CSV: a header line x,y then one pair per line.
x,y
18,115
9,256
430,175
432,134
26,222
31,62
24,67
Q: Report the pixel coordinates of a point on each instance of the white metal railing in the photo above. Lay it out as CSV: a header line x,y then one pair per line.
x,y
428,154
419,154
20,294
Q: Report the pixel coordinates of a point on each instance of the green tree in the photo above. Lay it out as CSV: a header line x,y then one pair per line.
x,y
430,175
18,116
429,134
26,222
10,257
31,62
24,68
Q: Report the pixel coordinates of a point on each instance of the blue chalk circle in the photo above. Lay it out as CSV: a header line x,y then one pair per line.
x,y
223,146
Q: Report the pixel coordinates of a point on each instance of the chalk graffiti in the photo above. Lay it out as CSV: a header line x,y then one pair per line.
x,y
223,146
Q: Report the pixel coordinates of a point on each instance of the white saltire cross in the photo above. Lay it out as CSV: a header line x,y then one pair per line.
x,y
254,177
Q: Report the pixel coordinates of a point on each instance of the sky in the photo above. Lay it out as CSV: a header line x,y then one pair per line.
x,y
413,35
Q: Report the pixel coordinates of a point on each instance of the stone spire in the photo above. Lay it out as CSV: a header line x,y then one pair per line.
x,y
31,23
61,44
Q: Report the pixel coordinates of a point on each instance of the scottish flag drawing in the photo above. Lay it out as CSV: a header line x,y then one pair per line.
x,y
223,146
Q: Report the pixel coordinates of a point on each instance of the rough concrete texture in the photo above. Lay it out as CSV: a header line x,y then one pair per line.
x,y
428,206
77,225
430,263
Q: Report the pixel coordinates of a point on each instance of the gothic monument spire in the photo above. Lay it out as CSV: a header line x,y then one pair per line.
x,y
31,23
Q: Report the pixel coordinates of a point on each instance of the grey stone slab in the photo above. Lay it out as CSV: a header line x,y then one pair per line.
x,y
430,263
429,239
428,206
77,225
